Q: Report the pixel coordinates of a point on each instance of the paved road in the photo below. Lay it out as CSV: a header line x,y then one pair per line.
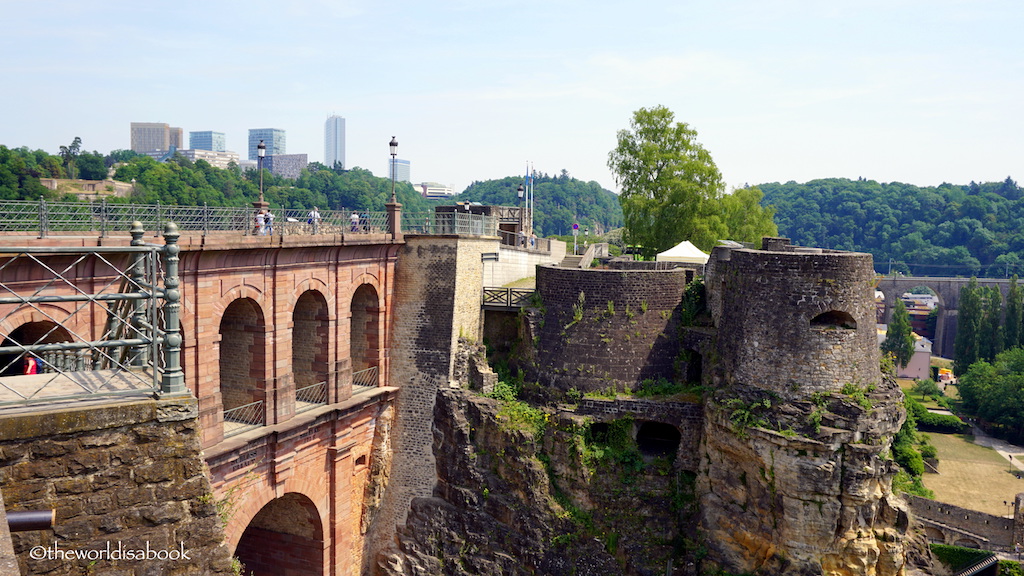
x,y
1005,449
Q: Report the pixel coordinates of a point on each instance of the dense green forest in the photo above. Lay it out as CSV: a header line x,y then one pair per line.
x,y
560,201
946,230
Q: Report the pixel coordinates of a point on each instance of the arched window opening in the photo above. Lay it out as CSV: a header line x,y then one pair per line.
x,y
364,348
834,320
242,359
310,350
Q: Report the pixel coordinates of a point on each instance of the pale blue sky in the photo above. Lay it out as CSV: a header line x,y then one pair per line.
x,y
918,91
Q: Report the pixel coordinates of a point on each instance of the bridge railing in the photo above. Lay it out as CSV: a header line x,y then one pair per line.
x,y
449,223
506,297
51,350
242,418
44,217
309,397
365,378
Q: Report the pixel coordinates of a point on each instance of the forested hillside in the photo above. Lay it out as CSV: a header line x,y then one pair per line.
x,y
560,202
948,230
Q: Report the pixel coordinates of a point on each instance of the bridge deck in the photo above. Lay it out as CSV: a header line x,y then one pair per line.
x,y
52,387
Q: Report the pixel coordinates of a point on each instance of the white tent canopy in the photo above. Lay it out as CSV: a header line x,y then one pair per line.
x,y
685,251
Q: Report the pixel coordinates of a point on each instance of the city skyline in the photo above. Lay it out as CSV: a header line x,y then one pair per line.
x,y
912,91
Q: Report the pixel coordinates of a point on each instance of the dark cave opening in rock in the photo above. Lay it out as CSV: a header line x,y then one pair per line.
x,y
657,439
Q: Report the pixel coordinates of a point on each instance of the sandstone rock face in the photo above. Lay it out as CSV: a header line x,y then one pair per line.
x,y
510,503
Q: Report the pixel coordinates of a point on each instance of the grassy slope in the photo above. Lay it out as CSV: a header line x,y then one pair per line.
x,y
972,476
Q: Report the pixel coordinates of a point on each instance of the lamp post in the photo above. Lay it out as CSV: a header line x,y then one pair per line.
x,y
261,151
394,150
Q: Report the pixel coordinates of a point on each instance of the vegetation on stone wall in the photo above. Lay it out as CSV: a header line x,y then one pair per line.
x,y
907,448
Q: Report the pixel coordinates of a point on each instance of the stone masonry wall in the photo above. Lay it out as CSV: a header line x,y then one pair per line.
x,y
687,417
765,305
438,286
627,331
123,475
998,531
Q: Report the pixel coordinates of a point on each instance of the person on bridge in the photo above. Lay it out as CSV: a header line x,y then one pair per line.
x,y
354,219
31,365
260,224
270,223
314,219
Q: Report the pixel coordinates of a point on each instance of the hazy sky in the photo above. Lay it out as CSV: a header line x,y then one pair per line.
x,y
918,91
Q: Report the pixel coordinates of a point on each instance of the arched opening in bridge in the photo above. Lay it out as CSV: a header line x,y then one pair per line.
x,y
285,537
934,535
44,332
242,359
657,439
834,320
364,348
310,346
966,543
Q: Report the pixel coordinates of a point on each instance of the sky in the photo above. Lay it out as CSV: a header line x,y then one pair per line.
x,y
915,91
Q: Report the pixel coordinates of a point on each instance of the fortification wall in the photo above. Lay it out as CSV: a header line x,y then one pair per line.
x,y
992,532
601,329
438,283
516,263
794,321
128,475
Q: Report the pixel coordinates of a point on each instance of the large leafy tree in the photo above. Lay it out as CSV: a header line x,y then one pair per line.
x,y
670,186
991,343
965,346
899,341
1014,308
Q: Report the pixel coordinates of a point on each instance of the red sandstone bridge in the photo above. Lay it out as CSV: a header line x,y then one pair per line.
x,y
285,340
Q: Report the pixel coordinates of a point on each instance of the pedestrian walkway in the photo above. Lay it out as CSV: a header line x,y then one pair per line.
x,y
1005,449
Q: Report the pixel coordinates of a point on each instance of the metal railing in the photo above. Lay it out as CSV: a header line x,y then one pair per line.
x,y
449,223
507,297
530,243
365,378
245,417
44,217
57,356
309,397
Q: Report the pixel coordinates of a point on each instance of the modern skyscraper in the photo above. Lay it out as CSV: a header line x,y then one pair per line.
x,y
334,141
400,169
273,138
154,136
207,140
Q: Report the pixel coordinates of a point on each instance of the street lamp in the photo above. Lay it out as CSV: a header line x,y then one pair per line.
x,y
394,150
261,151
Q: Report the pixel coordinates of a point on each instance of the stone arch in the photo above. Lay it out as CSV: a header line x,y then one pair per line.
x,y
311,346
657,439
365,332
834,319
242,356
38,332
934,535
967,543
285,537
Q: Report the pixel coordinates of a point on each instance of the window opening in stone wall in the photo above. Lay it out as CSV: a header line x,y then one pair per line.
x,y
310,349
835,320
242,360
364,346
45,332
657,439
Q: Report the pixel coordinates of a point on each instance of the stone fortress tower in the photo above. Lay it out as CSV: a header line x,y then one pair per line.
x,y
795,469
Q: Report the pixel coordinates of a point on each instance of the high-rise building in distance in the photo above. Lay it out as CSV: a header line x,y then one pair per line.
x,y
399,169
207,140
154,136
273,139
334,142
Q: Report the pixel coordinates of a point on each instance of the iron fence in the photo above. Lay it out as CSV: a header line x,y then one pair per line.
x,y
44,217
309,397
242,418
507,297
449,223
365,378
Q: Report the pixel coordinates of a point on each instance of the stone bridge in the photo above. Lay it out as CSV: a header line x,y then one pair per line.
x,y
273,330
948,291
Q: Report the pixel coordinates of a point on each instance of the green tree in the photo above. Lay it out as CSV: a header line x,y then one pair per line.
x,y
965,346
745,218
899,340
1012,323
991,324
670,186
70,154
926,387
